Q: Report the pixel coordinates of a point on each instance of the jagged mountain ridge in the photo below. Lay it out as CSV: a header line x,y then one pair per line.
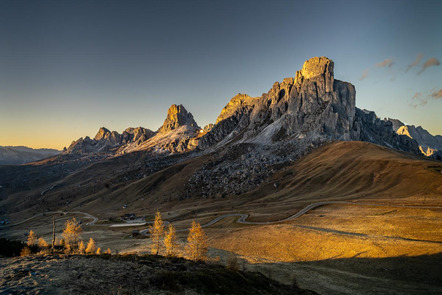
x,y
173,136
428,144
109,142
309,109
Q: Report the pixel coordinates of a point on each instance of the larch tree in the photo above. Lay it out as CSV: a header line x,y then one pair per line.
x,y
170,241
196,243
91,247
98,251
81,247
71,234
32,238
156,233
42,244
108,251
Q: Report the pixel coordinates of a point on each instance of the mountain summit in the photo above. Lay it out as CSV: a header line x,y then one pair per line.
x,y
312,104
177,116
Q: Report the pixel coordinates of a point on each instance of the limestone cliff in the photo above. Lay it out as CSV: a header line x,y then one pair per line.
x,y
428,144
177,134
312,104
177,116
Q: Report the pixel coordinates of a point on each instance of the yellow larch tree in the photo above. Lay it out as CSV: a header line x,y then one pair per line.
x,y
91,247
196,243
81,247
108,251
32,238
98,251
71,234
42,244
170,241
156,233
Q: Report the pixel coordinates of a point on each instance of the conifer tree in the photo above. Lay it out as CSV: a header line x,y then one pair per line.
x,y
108,251
42,243
91,247
32,238
196,243
98,251
81,247
170,241
156,233
71,233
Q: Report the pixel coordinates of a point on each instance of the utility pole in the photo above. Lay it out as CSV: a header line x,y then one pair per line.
x,y
53,232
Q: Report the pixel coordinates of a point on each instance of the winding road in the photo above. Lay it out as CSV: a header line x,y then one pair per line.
x,y
87,215
242,218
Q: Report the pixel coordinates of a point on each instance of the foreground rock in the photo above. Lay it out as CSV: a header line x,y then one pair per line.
x,y
129,275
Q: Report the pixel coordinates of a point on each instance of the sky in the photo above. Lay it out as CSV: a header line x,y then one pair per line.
x,y
68,68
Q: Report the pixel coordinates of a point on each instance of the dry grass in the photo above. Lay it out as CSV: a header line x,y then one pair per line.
x,y
338,232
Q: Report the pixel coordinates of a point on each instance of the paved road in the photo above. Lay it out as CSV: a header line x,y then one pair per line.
x,y
242,217
87,215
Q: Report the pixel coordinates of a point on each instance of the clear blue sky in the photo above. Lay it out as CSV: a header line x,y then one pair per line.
x,y
70,67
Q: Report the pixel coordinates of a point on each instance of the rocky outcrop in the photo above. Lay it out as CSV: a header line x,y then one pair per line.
x,y
372,129
177,116
109,142
136,135
178,134
428,144
312,104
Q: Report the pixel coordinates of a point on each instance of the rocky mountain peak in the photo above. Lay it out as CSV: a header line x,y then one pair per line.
x,y
177,116
234,104
102,133
317,68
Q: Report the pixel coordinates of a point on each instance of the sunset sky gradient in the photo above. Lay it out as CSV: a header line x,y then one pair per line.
x,y
70,67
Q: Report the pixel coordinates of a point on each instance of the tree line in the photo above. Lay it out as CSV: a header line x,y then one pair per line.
x,y
69,244
163,241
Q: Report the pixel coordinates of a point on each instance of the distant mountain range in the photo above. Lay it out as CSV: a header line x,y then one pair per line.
x,y
307,110
252,140
15,155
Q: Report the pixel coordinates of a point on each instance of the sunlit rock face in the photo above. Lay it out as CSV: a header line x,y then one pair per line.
x,y
106,135
428,144
177,116
372,129
178,134
108,142
312,104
